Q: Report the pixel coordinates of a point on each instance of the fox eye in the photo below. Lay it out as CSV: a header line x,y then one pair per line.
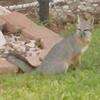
x,y
79,29
86,30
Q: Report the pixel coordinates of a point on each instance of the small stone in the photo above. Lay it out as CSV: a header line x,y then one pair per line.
x,y
33,60
31,43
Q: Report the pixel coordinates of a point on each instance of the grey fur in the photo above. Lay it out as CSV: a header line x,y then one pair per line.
x,y
56,60
60,57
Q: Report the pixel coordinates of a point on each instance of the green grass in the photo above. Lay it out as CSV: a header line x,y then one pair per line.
x,y
81,84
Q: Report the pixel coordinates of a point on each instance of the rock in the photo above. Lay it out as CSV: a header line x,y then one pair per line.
x,y
4,11
33,60
2,39
32,31
2,24
28,50
7,67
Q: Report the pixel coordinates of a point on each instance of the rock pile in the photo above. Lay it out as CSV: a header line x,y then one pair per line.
x,y
66,10
27,44
28,49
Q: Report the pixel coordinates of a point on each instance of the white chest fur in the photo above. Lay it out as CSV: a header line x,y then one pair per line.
x,y
84,49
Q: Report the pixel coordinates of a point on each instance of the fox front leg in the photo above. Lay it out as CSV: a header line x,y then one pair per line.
x,y
80,60
66,67
76,62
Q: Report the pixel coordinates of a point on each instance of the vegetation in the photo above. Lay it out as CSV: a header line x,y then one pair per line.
x,y
81,84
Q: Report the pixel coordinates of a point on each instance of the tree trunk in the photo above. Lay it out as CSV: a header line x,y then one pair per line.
x,y
43,10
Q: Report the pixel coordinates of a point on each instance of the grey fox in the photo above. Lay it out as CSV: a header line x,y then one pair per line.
x,y
69,49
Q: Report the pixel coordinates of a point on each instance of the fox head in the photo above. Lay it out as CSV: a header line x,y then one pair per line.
x,y
84,26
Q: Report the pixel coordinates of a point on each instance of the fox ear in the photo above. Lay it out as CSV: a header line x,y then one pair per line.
x,y
92,20
78,19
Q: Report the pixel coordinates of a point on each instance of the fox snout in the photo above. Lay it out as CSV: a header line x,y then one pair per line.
x,y
88,36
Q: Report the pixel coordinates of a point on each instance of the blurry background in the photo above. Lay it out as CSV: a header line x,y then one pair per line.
x,y
62,13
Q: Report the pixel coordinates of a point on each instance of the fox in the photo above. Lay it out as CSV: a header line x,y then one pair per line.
x,y
70,49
